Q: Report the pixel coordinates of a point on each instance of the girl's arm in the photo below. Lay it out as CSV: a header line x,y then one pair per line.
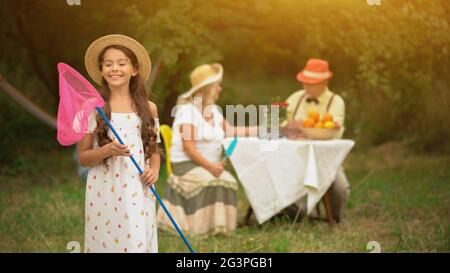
x,y
150,173
155,159
89,157
231,131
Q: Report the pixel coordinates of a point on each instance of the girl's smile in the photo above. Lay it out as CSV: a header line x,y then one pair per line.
x,y
117,68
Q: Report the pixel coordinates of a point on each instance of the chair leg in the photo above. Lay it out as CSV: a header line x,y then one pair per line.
x,y
327,203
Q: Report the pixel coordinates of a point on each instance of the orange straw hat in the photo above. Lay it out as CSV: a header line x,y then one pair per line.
x,y
315,71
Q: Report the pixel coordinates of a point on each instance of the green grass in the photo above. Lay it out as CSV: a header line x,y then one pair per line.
x,y
399,199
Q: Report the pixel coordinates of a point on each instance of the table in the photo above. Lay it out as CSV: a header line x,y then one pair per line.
x,y
277,173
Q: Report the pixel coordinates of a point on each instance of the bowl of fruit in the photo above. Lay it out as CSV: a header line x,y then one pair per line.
x,y
320,128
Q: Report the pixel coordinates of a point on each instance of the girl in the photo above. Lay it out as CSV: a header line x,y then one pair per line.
x,y
120,208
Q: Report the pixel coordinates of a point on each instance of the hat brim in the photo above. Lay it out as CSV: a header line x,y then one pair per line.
x,y
308,80
212,79
94,50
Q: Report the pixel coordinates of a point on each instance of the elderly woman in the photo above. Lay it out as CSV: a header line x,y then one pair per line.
x,y
200,194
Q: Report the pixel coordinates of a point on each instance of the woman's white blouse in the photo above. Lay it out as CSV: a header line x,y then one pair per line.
x,y
208,139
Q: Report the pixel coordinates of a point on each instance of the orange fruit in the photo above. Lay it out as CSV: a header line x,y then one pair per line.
x,y
309,123
328,117
314,115
318,125
328,125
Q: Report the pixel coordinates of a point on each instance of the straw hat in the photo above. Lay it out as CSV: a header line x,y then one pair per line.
x,y
94,50
202,76
315,71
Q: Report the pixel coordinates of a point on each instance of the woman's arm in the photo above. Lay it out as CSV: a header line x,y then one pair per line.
x,y
188,134
231,131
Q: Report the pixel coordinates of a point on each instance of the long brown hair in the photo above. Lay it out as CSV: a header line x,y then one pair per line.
x,y
140,105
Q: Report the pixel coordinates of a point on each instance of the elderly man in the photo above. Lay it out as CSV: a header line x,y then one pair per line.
x,y
316,97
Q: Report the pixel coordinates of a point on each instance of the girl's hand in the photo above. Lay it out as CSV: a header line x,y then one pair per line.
x,y
117,149
149,176
216,169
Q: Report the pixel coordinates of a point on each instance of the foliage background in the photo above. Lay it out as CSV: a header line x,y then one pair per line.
x,y
391,65
391,62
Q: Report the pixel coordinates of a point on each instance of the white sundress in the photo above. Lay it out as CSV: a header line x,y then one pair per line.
x,y
119,209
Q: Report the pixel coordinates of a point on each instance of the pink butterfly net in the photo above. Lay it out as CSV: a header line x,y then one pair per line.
x,y
78,98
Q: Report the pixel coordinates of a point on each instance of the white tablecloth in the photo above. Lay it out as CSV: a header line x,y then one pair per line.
x,y
276,173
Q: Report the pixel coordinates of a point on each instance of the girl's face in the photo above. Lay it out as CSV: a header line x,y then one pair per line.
x,y
117,68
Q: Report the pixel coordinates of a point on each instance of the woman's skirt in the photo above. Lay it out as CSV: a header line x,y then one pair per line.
x,y
200,203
